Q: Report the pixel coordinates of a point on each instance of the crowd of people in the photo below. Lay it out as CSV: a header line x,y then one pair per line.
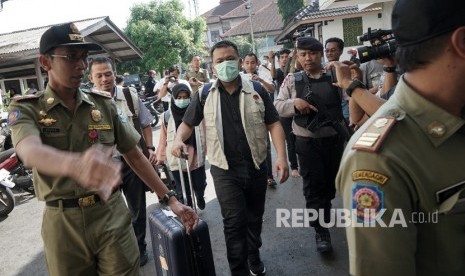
x,y
378,137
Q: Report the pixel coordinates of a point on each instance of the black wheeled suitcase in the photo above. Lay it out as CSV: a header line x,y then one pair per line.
x,y
175,252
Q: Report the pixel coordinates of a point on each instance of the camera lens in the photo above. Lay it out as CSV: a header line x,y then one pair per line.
x,y
386,49
172,79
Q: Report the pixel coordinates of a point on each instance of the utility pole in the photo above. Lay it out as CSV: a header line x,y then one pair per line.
x,y
196,8
248,7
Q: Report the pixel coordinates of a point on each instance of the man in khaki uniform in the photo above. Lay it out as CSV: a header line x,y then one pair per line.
x,y
67,136
404,167
196,76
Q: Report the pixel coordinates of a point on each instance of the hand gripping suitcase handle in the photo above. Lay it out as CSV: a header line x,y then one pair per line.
x,y
185,156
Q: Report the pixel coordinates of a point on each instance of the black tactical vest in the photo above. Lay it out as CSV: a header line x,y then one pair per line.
x,y
321,94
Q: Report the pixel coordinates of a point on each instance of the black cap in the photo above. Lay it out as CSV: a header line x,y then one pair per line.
x,y
178,88
415,21
308,43
64,35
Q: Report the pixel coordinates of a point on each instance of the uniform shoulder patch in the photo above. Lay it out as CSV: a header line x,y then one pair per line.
x,y
26,97
373,136
98,92
367,201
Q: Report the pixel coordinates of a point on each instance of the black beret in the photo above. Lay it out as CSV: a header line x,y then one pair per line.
x,y
415,21
308,43
64,35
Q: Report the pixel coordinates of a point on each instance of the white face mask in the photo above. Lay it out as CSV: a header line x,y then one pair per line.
x,y
182,103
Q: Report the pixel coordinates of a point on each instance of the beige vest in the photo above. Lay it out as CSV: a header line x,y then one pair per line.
x,y
196,159
252,110
122,105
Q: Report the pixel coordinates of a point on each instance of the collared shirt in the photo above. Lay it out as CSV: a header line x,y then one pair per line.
x,y
201,75
236,148
419,158
144,115
95,120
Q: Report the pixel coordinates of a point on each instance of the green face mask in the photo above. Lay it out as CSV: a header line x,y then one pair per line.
x,y
182,103
228,70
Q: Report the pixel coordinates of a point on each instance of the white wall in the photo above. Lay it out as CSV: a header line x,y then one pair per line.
x,y
335,29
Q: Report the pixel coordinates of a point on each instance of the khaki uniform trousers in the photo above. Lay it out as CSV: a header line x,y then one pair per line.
x,y
94,240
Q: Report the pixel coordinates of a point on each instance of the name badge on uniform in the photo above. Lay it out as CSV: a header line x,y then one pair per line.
x,y
48,130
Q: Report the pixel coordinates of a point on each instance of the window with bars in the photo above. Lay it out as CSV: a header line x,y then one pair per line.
x,y
352,27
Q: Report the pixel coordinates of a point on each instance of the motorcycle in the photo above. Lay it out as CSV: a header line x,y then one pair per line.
x,y
19,175
153,105
7,198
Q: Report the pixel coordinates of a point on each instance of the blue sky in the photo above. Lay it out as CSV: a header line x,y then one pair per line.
x,y
24,14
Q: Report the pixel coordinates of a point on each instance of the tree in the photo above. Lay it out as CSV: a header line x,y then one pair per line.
x,y
164,34
287,8
243,44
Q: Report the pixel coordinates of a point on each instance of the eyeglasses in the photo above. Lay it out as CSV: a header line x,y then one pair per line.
x,y
330,50
73,57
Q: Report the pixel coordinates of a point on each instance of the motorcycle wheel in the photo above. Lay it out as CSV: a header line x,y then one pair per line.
x,y
7,201
155,120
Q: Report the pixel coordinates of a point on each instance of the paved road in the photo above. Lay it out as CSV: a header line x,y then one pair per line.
x,y
285,251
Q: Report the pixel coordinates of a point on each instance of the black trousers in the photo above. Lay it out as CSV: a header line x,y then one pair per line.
x,y
242,202
134,191
319,160
199,183
269,162
290,141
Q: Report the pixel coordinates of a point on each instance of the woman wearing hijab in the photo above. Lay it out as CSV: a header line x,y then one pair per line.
x,y
195,146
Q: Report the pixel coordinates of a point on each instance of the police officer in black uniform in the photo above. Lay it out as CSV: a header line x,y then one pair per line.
x,y
315,105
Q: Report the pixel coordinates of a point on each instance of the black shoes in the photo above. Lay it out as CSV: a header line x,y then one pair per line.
x,y
144,258
257,268
271,183
323,241
201,203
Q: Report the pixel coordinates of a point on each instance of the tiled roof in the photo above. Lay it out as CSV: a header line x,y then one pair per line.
x,y
213,15
241,11
265,20
312,12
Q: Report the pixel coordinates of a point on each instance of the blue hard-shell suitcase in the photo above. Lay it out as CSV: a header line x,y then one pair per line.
x,y
175,252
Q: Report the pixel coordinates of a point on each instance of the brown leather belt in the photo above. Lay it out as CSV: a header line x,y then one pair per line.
x,y
80,202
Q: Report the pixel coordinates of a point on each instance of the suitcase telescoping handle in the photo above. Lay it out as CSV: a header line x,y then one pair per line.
x,y
185,156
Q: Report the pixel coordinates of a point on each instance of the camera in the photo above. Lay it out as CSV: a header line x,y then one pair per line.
x,y
383,45
172,79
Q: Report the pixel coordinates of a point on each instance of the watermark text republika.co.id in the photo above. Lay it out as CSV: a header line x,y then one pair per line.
x,y
340,217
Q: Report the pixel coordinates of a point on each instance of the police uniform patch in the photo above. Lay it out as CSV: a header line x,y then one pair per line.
x,y
13,116
370,176
367,201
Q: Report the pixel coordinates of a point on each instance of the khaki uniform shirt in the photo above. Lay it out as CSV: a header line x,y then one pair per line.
x,y
95,120
408,169
201,75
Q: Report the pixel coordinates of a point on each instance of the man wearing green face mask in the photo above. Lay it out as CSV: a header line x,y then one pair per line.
x,y
238,115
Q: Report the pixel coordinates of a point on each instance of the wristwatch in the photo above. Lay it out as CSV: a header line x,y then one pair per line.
x,y
355,84
151,148
167,197
389,69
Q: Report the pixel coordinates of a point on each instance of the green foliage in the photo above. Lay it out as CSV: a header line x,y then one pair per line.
x,y
287,8
165,36
243,45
